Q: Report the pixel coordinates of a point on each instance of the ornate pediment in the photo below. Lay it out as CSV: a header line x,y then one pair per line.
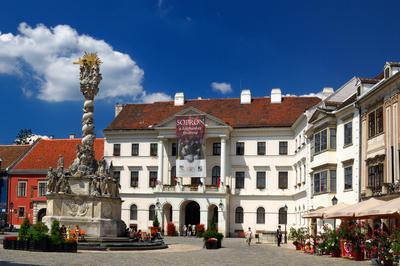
x,y
211,121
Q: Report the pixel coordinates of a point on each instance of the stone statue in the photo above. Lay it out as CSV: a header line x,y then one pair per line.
x,y
73,169
51,180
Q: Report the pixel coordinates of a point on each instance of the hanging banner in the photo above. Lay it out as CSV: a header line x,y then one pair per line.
x,y
190,161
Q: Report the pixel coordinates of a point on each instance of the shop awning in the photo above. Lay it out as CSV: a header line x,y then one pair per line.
x,y
320,213
352,210
387,208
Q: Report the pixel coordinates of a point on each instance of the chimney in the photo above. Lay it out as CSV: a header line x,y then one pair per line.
x,y
118,108
71,136
326,92
179,99
276,95
245,97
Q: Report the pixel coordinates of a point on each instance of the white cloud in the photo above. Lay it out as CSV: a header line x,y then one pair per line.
x,y
27,92
312,94
155,97
47,55
221,87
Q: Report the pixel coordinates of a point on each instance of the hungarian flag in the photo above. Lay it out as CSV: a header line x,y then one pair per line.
x,y
218,182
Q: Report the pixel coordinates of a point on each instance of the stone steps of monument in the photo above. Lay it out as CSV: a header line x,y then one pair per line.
x,y
121,245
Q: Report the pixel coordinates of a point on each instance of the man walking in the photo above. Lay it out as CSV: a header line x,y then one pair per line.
x,y
249,236
279,235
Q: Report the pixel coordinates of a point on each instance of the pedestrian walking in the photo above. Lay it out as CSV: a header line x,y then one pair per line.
x,y
189,230
184,230
249,236
193,230
279,235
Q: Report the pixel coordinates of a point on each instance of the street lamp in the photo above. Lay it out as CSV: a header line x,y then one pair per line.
x,y
334,202
285,209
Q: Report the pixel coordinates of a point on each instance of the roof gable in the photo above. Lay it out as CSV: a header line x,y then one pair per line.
x,y
10,154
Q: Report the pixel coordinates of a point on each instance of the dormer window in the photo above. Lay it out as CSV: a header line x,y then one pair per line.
x,y
387,72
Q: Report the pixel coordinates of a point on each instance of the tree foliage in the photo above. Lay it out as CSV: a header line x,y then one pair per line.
x,y
23,136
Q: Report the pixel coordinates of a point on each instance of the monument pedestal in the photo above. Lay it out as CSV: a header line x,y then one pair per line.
x,y
98,216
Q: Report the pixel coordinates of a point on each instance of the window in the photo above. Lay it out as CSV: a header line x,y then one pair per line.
x,y
332,187
153,179
21,211
282,216
375,176
375,122
152,212
215,175
283,147
332,138
239,180
117,150
348,178
260,180
321,140
260,148
134,178
21,190
42,188
239,148
135,149
133,212
173,149
239,215
324,181
261,215
348,133
173,175
283,180
153,149
217,148
117,175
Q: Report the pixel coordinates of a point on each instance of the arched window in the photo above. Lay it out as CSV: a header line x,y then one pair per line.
x,y
261,215
152,212
173,175
282,216
215,175
239,215
133,211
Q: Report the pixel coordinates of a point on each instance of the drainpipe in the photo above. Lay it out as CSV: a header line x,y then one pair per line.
x,y
356,105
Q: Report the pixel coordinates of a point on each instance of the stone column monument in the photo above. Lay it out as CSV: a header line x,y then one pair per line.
x,y
86,193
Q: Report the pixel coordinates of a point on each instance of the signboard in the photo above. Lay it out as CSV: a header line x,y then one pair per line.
x,y
190,161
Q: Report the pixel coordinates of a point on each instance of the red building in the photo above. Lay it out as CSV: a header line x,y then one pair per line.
x,y
27,178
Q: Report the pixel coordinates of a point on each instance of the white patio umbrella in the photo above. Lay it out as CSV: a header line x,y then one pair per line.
x,y
320,213
387,208
350,211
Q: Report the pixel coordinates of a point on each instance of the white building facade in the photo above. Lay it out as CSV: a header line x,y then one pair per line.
x,y
257,160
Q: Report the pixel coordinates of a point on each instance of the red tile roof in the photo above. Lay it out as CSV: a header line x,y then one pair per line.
x,y
260,113
46,152
9,154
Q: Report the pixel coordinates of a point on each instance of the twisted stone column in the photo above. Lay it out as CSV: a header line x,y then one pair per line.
x,y
90,78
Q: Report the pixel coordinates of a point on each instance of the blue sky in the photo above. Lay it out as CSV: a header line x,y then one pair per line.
x,y
153,49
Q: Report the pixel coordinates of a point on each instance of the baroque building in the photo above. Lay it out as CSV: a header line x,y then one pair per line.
x,y
256,163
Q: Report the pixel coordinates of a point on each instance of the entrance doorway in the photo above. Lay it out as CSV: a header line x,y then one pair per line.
x,y
192,213
41,214
167,216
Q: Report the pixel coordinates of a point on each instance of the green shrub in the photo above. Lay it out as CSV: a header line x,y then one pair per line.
x,y
38,232
56,238
156,223
23,233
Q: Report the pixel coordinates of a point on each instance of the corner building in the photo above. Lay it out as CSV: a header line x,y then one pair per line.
x,y
256,163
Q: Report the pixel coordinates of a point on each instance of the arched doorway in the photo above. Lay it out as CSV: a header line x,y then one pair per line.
x,y
41,214
167,216
191,213
212,216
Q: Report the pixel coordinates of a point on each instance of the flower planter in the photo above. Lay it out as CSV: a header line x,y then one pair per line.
x,y
335,254
212,245
348,251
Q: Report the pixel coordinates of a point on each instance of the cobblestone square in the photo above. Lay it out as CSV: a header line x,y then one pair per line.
x,y
181,251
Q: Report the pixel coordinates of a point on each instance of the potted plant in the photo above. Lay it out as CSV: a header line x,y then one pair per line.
x,y
215,235
56,238
171,230
200,230
156,226
212,243
23,235
38,237
298,237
